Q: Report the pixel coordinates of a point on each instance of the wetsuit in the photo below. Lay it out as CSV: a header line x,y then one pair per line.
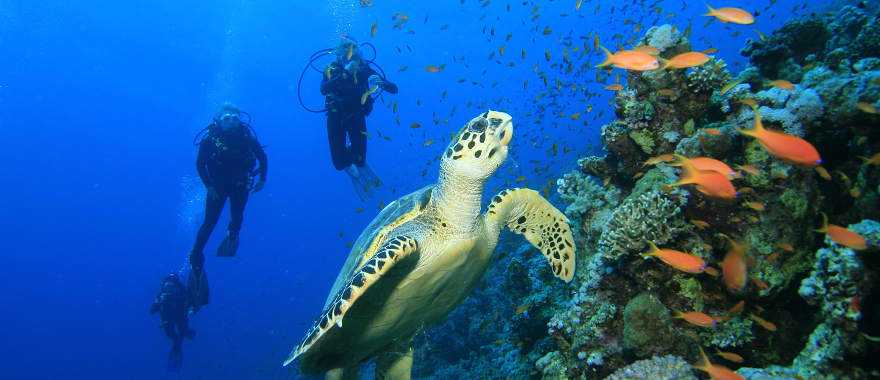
x,y
171,303
225,164
346,116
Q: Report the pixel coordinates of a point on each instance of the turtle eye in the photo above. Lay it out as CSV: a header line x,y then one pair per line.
x,y
478,126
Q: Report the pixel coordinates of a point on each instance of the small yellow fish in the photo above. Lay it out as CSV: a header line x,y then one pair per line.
x,y
367,94
575,116
700,224
415,125
374,29
866,107
782,84
822,173
730,85
873,160
428,142
855,192
435,68
614,87
757,206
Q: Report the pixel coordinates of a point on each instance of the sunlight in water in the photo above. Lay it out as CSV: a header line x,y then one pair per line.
x,y
191,207
343,12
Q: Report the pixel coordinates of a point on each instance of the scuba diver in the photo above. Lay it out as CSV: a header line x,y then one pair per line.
x,y
347,85
172,303
228,153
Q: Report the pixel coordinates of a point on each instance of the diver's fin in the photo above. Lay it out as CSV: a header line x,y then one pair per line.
x,y
229,246
369,177
360,189
197,285
175,357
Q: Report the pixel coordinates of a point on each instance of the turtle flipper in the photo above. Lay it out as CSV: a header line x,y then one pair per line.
x,y
526,212
391,253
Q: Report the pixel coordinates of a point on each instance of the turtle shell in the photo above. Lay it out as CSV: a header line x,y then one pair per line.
x,y
396,213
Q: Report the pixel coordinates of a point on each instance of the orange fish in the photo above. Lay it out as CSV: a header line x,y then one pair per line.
x,y
738,308
614,87
685,60
629,60
733,15
374,29
682,261
647,49
710,51
787,247
715,371
709,182
782,84
767,325
757,206
712,131
699,224
697,318
435,68
733,268
782,145
745,190
749,169
729,356
760,283
707,163
822,173
842,236
658,159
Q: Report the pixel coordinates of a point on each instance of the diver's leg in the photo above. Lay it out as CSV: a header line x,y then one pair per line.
x,y
357,134
350,373
396,362
336,137
213,206
237,200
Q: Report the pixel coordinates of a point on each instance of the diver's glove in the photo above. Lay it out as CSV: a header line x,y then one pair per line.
x,y
375,81
259,185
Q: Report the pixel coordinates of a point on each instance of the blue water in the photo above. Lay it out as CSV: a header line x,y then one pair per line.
x,y
99,103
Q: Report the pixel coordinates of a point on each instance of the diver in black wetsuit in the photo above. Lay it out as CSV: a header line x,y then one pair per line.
x,y
228,154
347,85
172,304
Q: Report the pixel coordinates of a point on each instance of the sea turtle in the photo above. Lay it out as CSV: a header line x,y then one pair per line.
x,y
422,255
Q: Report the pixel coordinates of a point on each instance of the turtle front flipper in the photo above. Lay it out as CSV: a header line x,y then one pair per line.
x,y
391,253
526,212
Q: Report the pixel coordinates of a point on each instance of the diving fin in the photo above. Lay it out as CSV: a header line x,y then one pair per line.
x,y
197,285
229,246
357,182
369,177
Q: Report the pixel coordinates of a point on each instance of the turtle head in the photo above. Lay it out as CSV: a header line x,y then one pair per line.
x,y
480,147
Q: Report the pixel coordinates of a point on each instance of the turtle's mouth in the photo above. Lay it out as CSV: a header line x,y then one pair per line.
x,y
505,133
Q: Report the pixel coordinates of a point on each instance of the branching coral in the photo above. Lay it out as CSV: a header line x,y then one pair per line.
x,y
653,216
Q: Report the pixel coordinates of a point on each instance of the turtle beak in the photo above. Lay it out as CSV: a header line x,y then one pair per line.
x,y
505,132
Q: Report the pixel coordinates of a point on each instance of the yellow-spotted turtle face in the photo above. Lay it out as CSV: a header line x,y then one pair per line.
x,y
480,147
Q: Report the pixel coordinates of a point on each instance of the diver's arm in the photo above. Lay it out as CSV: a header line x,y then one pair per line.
x,y
202,162
262,159
386,85
389,87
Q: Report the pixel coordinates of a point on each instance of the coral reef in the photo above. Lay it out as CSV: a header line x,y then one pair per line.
x,y
659,367
807,306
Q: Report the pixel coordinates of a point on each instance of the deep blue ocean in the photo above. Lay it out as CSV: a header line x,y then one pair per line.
x,y
99,104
